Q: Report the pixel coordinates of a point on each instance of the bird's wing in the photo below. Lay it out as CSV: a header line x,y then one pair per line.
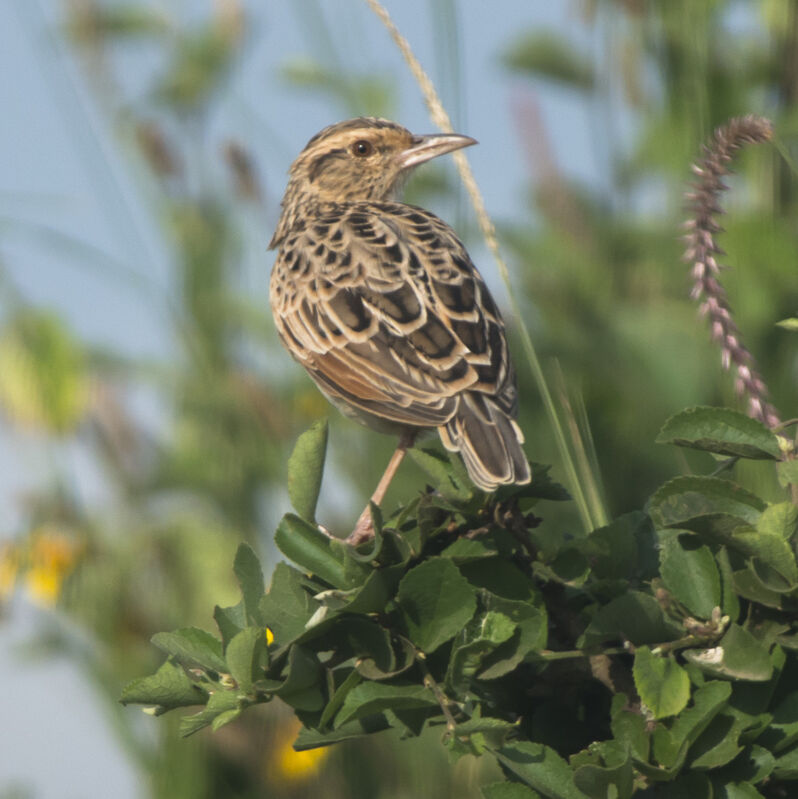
x,y
383,307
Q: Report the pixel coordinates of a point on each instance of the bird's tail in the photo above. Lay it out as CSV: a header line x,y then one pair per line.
x,y
489,442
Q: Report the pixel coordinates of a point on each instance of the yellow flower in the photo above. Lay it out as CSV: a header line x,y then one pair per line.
x,y
9,566
269,635
53,555
290,766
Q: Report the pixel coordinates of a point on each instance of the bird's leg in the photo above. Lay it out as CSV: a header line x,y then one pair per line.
x,y
364,529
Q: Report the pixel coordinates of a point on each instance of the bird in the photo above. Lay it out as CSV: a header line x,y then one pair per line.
x,y
382,305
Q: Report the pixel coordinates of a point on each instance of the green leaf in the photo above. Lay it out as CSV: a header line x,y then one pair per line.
x,y
786,766
721,430
541,768
249,574
247,657
530,634
230,621
780,519
783,729
448,476
630,728
708,700
337,699
220,702
662,683
168,688
791,323
612,775
313,739
481,636
501,577
302,687
787,472
288,607
691,574
705,505
508,790
318,554
772,559
731,601
612,550
305,470
738,655
753,764
718,744
741,790
436,602
404,656
633,616
369,698
192,646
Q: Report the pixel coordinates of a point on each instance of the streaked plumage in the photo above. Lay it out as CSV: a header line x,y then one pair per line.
x,y
381,304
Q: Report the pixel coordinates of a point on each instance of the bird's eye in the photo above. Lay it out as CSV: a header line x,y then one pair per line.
x,y
362,148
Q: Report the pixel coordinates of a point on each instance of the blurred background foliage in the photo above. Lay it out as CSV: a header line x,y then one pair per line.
x,y
597,273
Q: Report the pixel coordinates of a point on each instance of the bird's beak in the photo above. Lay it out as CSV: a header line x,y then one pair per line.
x,y
425,147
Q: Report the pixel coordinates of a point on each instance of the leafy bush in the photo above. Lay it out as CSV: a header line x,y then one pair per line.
x,y
656,654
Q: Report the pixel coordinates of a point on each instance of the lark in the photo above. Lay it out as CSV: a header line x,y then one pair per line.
x,y
382,305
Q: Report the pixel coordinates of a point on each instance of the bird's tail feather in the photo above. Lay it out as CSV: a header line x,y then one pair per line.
x,y
489,442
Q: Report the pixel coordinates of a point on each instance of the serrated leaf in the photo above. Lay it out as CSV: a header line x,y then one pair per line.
x,y
249,574
501,577
370,698
247,657
737,655
436,602
599,780
741,790
718,744
786,766
691,574
708,700
168,688
633,616
706,505
193,646
529,636
287,607
318,554
448,478
508,790
541,768
787,472
219,702
780,519
313,739
337,699
612,550
230,621
752,765
480,637
306,468
772,559
302,687
662,683
783,729
721,430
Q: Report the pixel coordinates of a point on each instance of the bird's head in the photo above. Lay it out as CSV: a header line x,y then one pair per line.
x,y
365,159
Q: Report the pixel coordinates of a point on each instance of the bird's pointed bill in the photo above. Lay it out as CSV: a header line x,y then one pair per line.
x,y
431,146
